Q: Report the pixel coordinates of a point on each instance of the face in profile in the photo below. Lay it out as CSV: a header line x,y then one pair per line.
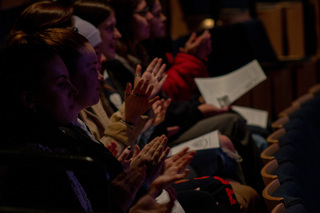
x,y
158,23
109,36
56,98
87,78
140,22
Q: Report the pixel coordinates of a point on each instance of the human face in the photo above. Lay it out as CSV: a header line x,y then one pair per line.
x,y
56,98
158,23
140,22
87,78
109,36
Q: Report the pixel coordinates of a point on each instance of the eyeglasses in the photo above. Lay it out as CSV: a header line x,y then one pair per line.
x,y
143,12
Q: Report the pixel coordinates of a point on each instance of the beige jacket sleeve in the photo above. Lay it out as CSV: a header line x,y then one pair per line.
x,y
107,129
125,135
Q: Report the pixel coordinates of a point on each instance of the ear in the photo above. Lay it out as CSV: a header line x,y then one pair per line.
x,y
28,100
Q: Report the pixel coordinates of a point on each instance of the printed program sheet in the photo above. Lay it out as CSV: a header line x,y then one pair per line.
x,y
223,90
253,116
207,141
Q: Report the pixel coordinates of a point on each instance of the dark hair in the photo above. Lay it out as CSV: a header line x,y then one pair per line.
x,y
66,42
22,66
93,12
42,15
124,10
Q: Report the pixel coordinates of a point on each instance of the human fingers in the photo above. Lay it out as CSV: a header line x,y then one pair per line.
x,y
179,154
138,70
182,162
137,75
164,155
153,145
128,89
157,67
163,79
157,104
181,49
205,34
136,151
143,89
159,146
152,101
161,72
197,41
149,91
182,175
152,65
137,87
149,145
157,107
192,37
125,154
166,103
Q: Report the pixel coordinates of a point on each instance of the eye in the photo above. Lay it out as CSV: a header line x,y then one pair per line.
x,y
62,85
143,12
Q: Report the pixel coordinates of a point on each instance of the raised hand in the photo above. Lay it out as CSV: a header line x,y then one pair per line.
x,y
174,169
152,156
160,109
123,157
137,101
199,47
155,74
125,186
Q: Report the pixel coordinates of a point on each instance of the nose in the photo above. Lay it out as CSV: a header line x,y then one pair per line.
x,y
73,91
164,18
100,77
102,58
149,16
117,33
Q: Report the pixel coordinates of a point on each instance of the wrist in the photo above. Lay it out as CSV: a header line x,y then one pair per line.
x,y
129,124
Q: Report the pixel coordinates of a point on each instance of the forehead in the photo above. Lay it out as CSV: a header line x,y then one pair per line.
x,y
141,5
87,54
55,67
156,6
86,49
110,20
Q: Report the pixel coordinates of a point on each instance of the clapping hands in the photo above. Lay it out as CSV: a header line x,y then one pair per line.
x,y
199,47
152,156
155,74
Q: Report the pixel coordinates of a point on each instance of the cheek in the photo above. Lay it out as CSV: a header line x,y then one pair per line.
x,y
105,37
57,105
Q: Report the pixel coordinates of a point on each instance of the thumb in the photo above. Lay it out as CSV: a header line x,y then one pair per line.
x,y
138,70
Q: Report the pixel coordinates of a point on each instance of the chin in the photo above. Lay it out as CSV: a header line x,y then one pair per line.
x,y
111,56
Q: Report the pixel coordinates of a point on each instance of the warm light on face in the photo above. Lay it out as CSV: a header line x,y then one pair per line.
x,y
207,23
